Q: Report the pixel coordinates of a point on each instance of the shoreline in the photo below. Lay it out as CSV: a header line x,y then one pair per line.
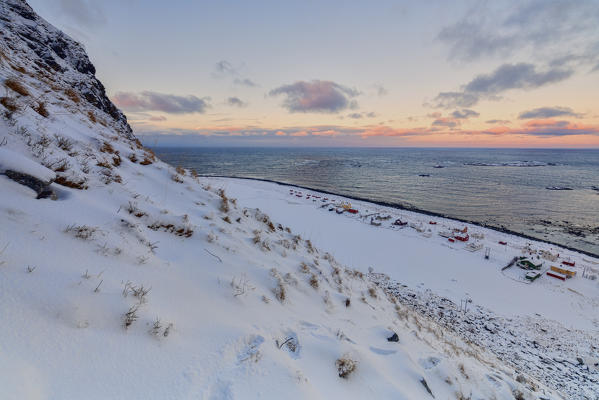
x,y
413,209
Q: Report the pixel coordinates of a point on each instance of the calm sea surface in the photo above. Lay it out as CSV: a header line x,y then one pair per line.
x,y
499,187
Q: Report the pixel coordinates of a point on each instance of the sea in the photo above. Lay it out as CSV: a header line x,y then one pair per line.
x,y
548,194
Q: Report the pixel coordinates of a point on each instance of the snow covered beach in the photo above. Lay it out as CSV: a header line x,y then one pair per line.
x,y
431,262
428,270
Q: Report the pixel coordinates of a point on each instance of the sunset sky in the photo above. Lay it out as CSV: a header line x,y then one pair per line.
x,y
316,73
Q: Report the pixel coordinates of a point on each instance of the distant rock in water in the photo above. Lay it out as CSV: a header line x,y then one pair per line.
x,y
558,188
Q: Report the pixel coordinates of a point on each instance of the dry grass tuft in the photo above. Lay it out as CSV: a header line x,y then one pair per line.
x,y
63,181
372,292
19,68
304,268
116,160
177,178
84,232
104,164
183,231
345,366
41,109
10,105
180,170
107,148
16,86
92,117
314,281
71,94
130,316
224,205
132,157
64,143
463,371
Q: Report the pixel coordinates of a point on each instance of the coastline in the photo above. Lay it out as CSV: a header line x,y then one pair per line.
x,y
415,210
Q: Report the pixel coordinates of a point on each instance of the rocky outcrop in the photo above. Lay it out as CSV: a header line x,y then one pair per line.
x,y
41,188
57,54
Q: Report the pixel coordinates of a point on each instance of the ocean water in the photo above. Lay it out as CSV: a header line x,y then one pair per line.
x,y
502,188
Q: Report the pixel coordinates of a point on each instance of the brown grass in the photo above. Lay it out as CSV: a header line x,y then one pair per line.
x,y
224,206
16,86
10,105
62,166
71,94
138,144
61,180
180,170
104,164
345,366
116,160
64,143
133,157
280,292
176,230
314,281
372,292
107,148
41,109
92,117
19,68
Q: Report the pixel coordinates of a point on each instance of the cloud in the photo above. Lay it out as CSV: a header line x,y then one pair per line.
x,y
380,90
360,115
548,112
157,118
245,82
236,102
506,77
549,127
464,114
83,12
223,67
537,27
333,135
498,121
446,122
316,96
168,103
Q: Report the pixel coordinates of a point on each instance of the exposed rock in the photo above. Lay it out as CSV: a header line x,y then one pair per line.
x,y
57,54
41,188
393,338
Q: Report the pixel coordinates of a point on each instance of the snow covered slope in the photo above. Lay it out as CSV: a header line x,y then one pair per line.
x,y
141,281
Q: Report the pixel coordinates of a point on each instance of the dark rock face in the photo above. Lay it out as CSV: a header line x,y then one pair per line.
x,y
56,53
40,187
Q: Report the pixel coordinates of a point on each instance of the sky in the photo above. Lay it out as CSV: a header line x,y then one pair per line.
x,y
351,73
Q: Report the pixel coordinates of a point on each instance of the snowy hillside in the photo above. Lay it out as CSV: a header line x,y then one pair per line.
x,y
130,279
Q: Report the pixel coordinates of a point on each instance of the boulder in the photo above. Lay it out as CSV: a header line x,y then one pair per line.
x,y
41,188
